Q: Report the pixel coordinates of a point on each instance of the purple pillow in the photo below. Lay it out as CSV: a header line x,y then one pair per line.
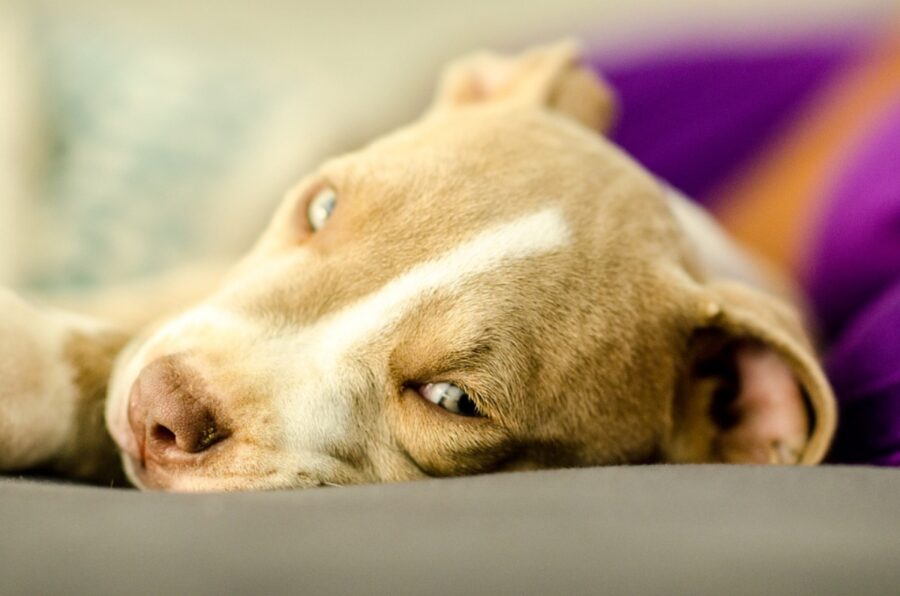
x,y
855,286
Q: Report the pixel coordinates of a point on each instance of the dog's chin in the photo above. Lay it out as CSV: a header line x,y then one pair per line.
x,y
135,472
158,480
144,478
151,478
155,479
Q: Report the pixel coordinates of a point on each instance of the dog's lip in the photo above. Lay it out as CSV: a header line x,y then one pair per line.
x,y
149,477
140,476
145,474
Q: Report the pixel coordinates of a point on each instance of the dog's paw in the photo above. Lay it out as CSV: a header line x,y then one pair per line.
x,y
34,386
53,369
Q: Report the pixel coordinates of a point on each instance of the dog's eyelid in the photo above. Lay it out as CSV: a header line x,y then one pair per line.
x,y
470,369
313,206
451,397
320,207
467,361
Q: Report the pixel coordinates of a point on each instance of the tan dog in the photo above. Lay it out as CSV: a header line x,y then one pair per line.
x,y
495,287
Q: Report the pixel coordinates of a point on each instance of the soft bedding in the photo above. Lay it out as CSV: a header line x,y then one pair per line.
x,y
621,530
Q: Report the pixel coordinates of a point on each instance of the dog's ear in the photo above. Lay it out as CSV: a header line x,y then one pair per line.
x,y
751,389
550,76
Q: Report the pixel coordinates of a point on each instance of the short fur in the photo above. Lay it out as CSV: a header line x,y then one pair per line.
x,y
636,333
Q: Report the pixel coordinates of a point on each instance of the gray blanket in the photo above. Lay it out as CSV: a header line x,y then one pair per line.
x,y
630,530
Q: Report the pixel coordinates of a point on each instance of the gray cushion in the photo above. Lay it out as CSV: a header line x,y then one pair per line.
x,y
653,529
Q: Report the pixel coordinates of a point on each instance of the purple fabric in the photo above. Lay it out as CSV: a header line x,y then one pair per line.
x,y
693,117
855,287
857,254
864,367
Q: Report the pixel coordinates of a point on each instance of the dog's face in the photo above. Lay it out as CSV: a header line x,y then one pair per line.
x,y
493,288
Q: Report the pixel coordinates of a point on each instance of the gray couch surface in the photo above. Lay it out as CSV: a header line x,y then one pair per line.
x,y
625,530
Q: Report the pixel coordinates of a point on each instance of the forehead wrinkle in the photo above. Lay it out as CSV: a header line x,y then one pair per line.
x,y
530,235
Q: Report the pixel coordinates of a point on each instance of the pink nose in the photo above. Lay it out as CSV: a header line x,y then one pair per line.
x,y
170,415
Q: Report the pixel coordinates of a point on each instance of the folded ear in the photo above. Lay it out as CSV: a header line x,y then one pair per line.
x,y
548,76
752,390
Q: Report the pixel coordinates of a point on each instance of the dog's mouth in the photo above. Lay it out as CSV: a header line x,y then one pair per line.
x,y
137,472
133,457
118,400
145,474
132,450
151,477
154,478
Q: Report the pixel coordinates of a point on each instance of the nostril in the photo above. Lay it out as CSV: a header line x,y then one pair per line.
x,y
170,414
162,435
189,440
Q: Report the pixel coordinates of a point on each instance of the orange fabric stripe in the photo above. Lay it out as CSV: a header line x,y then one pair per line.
x,y
771,206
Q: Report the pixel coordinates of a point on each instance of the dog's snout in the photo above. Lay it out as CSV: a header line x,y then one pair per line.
x,y
170,413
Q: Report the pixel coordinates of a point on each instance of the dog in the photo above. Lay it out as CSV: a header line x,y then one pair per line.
x,y
495,287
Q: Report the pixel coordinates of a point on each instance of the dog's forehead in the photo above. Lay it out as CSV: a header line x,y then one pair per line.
x,y
431,211
434,210
506,159
430,188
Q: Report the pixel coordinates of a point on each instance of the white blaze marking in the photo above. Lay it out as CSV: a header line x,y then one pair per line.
x,y
530,235
316,403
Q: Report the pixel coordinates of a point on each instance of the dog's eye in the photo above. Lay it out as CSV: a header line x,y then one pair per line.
x,y
320,207
450,397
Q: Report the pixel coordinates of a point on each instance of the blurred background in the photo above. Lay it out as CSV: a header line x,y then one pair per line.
x,y
135,136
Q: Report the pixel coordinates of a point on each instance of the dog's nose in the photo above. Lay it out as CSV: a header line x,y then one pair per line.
x,y
170,415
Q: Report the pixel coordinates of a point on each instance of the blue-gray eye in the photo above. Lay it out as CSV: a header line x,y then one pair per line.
x,y
450,397
320,208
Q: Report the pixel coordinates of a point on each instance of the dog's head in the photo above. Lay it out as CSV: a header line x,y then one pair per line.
x,y
495,287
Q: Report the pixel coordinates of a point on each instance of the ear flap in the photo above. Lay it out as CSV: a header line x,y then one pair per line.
x,y
549,76
751,391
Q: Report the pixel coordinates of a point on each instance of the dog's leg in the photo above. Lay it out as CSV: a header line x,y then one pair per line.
x,y
54,369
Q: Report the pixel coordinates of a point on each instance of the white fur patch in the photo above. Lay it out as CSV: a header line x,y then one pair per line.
x,y
527,236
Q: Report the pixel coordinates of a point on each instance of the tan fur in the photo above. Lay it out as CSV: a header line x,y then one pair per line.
x,y
90,452
579,354
55,370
